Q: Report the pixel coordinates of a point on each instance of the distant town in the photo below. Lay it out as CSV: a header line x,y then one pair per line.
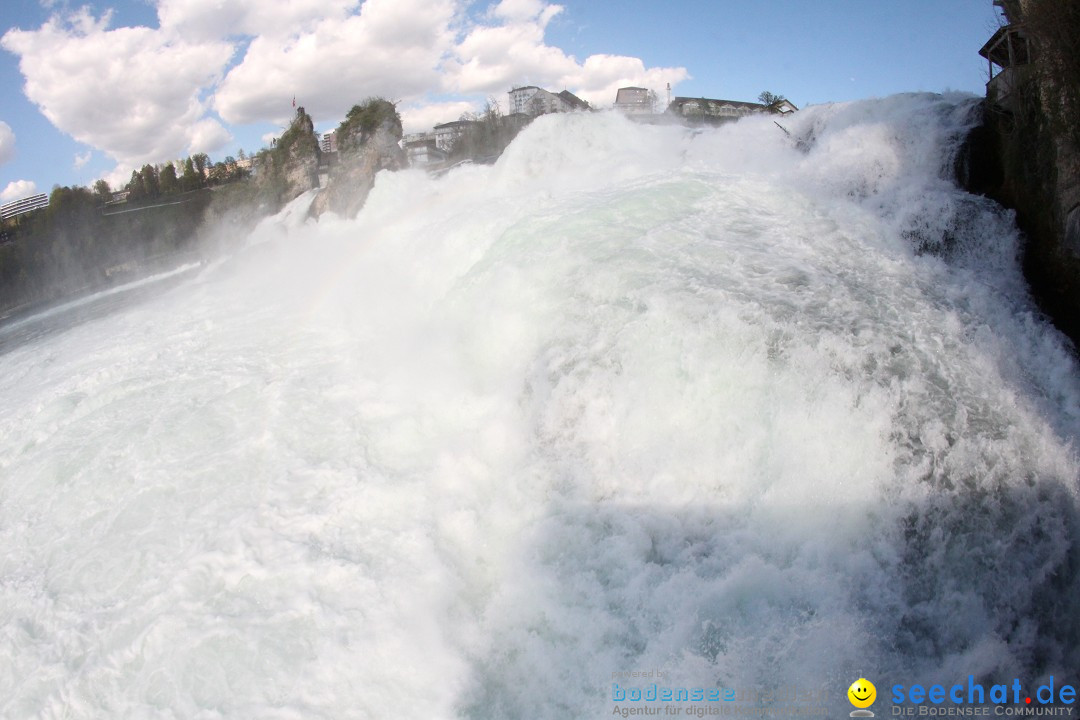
x,y
432,149
452,142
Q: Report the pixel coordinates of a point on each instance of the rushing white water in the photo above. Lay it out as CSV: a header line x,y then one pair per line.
x,y
750,409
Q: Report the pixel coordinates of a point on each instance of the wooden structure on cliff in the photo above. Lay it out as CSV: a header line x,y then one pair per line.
x,y
1009,51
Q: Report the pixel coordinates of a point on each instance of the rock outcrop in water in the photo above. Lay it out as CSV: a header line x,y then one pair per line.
x,y
367,143
1027,154
291,168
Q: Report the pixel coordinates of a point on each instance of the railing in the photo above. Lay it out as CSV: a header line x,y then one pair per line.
x,y
1005,89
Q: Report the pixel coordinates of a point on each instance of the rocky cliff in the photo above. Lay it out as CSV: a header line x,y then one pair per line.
x,y
291,167
1027,155
367,143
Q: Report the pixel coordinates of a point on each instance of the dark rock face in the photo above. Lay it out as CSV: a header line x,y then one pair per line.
x,y
978,164
367,143
1052,264
1072,231
1034,120
1017,158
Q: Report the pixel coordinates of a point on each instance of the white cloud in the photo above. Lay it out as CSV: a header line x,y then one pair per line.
x,y
208,135
421,118
7,142
392,48
17,190
214,19
523,10
82,158
144,95
131,92
600,76
491,58
119,176
403,49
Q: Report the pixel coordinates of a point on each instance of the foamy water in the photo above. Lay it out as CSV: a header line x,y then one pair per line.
x,y
633,398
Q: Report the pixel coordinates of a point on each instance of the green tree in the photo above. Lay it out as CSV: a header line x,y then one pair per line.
x,y
135,187
167,178
767,98
201,161
364,119
190,180
150,183
486,136
102,191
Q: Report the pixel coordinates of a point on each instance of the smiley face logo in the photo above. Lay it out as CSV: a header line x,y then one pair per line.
x,y
862,693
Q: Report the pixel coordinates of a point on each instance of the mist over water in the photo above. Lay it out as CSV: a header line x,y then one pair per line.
x,y
752,409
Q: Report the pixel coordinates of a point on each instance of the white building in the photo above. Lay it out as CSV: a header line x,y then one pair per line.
x,y
635,100
416,137
424,153
447,134
328,143
782,107
25,205
422,149
520,96
119,197
533,101
709,111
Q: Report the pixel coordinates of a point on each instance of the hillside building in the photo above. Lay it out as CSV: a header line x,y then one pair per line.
x,y
534,101
446,134
782,107
328,142
709,111
25,205
635,101
423,151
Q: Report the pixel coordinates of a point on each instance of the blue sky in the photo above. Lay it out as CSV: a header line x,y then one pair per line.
x,y
92,90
